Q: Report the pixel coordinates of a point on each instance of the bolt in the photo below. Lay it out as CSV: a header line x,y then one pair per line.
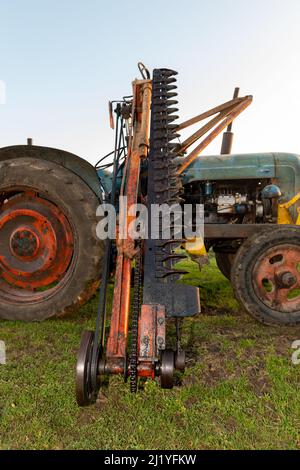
x,y
161,321
287,279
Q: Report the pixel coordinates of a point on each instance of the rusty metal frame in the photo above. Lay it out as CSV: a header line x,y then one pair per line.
x,y
235,231
152,332
152,319
226,113
138,148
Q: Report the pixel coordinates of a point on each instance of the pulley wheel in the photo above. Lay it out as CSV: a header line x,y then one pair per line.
x,y
180,361
167,368
86,394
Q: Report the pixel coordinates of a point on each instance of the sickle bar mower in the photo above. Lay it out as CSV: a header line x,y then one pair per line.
x,y
150,173
51,257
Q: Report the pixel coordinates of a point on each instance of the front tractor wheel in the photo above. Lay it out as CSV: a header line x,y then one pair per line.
x,y
49,253
224,262
266,276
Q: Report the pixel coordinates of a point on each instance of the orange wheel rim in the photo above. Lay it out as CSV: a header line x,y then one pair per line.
x,y
36,245
276,278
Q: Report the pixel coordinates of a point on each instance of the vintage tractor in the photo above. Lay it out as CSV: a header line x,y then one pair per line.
x,y
52,259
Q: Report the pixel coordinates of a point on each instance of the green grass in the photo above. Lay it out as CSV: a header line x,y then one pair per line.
x,y
240,390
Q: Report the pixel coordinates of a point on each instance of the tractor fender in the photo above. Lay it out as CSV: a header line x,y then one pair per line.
x,y
68,160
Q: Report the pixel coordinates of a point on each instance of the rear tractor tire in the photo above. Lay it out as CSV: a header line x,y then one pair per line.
x,y
50,256
265,276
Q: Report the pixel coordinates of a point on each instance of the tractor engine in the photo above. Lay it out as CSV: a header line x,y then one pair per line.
x,y
226,202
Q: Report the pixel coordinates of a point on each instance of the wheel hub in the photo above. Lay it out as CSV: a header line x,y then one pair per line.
x,y
276,278
24,243
285,280
36,246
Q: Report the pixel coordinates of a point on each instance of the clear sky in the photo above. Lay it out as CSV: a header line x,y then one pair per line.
x,y
62,60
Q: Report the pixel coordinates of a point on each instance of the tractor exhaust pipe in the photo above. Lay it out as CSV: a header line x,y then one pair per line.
x,y
228,135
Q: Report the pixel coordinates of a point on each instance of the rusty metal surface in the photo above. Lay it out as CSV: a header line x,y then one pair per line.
x,y
112,365
36,244
276,278
160,329
118,366
117,341
235,230
147,328
152,332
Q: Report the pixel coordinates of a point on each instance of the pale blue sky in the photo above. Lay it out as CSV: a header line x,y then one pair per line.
x,y
62,61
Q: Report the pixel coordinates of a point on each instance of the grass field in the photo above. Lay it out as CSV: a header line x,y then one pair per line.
x,y
240,390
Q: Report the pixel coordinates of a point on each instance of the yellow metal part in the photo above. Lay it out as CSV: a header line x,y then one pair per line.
x,y
284,216
196,247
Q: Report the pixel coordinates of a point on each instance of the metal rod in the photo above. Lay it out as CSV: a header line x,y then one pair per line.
x,y
209,113
235,95
200,133
228,119
227,140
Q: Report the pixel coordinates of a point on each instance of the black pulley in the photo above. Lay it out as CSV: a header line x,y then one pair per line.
x,y
86,392
180,361
167,369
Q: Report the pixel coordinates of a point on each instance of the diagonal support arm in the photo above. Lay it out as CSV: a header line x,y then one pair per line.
x,y
228,112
